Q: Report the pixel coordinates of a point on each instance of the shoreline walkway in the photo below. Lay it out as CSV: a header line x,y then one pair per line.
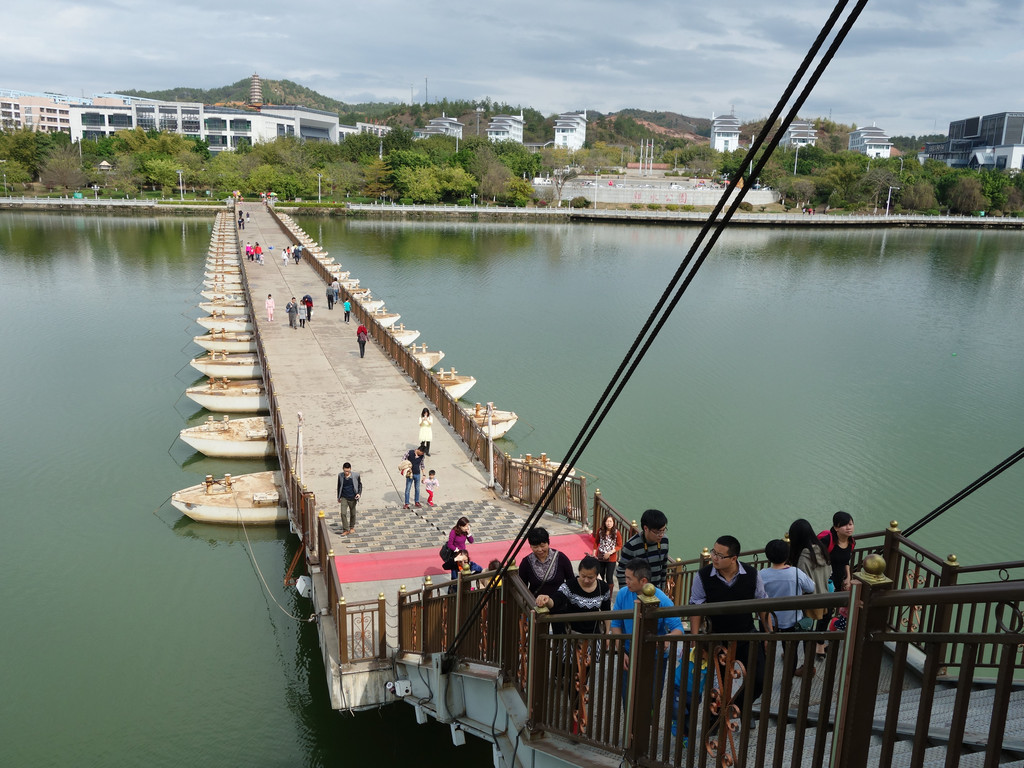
x,y
366,411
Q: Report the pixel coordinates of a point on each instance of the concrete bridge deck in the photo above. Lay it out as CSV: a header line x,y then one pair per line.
x,y
365,411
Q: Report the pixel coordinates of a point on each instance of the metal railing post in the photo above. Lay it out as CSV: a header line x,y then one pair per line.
x,y
859,689
341,619
382,626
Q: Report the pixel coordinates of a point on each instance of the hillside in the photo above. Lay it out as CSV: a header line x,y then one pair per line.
x,y
626,127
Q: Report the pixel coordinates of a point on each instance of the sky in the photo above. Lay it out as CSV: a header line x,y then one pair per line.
x,y
908,66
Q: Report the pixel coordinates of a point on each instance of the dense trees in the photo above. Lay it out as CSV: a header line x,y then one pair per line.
x,y
441,169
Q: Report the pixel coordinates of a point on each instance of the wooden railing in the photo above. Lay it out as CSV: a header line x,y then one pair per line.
x,y
522,480
574,685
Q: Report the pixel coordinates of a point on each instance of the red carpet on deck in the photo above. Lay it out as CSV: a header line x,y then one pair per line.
x,y
417,563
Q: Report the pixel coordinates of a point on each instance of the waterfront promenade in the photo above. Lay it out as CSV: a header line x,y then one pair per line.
x,y
366,411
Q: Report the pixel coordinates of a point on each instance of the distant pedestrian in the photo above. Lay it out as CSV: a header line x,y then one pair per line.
x,y
348,307
330,297
607,543
292,310
336,287
350,488
284,256
430,485
307,301
412,474
297,253
246,217
302,314
270,308
426,430
257,251
241,221
361,336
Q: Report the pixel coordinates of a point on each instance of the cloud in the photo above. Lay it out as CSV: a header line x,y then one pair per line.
x,y
910,66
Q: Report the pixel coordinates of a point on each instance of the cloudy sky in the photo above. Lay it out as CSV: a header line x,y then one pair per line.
x,y
909,66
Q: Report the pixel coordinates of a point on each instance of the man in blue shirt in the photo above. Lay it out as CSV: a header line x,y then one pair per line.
x,y
638,573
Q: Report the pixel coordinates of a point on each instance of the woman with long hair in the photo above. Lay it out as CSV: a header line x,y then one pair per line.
x,y
426,430
839,543
810,555
607,543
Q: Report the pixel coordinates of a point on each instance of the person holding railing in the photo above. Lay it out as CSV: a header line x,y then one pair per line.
x,y
638,574
725,580
544,570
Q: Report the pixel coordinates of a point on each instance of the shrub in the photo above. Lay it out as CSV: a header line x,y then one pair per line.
x,y
579,202
463,201
405,201
688,208
671,207
653,207
635,206
745,206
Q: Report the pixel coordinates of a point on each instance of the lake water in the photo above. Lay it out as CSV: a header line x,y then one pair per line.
x,y
804,372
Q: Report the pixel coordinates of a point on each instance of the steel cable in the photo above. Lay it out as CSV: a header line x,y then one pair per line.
x,y
677,285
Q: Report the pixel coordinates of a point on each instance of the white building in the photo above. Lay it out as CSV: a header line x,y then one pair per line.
x,y
506,128
221,127
376,129
571,130
799,134
46,112
873,142
440,126
725,133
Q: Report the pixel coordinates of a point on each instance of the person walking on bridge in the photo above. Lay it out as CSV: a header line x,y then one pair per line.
x,y
347,305
270,308
350,488
361,336
292,310
330,297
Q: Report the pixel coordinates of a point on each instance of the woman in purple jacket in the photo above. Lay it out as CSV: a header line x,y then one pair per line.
x,y
458,537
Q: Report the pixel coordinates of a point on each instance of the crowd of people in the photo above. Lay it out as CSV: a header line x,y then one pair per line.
x,y
808,563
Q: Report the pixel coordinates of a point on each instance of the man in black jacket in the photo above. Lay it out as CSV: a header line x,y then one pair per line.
x,y
350,488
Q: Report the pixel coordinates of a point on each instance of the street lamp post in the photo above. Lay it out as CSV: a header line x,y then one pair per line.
x,y
888,199
474,198
318,177
181,188
796,158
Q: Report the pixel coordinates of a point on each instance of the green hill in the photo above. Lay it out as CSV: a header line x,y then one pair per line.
x,y
626,127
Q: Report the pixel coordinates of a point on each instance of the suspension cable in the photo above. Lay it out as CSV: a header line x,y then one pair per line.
x,y
959,496
675,289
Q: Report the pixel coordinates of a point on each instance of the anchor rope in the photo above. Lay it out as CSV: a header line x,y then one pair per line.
x,y
683,277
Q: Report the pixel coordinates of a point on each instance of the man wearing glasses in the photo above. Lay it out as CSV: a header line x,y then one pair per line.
x,y
651,545
726,579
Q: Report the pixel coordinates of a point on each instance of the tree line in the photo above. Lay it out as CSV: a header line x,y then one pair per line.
x,y
441,169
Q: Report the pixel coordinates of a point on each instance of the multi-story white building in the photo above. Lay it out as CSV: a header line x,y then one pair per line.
x,y
221,127
506,128
873,142
571,130
46,112
725,133
440,126
799,134
993,142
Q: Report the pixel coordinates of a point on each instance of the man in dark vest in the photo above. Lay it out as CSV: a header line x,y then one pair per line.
x,y
726,579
